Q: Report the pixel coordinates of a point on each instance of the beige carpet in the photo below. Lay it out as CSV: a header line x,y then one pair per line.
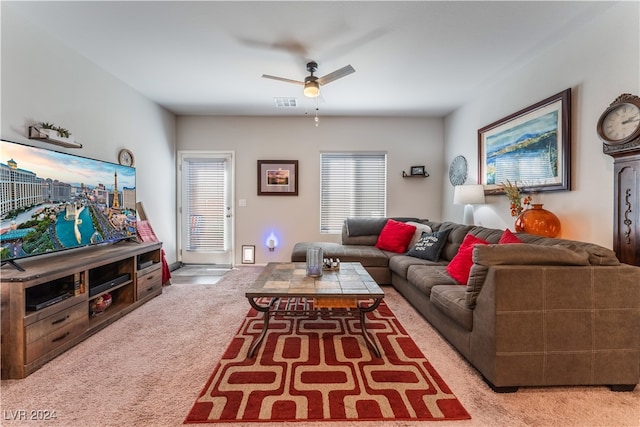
x,y
148,368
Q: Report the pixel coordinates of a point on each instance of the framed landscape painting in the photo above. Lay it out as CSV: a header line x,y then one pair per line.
x,y
531,147
277,177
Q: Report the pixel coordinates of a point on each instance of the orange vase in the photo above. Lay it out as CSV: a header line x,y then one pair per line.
x,y
538,221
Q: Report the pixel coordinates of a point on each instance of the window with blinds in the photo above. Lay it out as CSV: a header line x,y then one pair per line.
x,y
351,185
205,186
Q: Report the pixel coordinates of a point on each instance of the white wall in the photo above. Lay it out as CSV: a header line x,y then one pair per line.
x,y
408,142
45,81
599,61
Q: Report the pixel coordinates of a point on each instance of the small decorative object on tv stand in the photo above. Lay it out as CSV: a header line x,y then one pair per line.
x,y
100,304
48,133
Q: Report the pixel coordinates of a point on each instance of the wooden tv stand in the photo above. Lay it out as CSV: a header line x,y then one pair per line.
x,y
47,309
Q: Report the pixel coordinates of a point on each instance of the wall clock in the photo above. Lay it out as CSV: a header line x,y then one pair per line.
x,y
458,171
125,157
619,125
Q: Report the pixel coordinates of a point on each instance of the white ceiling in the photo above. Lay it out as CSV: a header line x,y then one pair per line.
x,y
417,58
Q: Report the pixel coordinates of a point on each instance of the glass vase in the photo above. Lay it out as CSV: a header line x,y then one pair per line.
x,y
538,221
314,261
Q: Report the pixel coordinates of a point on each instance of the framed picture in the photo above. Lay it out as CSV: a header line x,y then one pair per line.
x,y
277,177
417,170
531,147
248,254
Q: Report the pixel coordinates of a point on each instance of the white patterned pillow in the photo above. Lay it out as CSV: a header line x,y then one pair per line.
x,y
420,228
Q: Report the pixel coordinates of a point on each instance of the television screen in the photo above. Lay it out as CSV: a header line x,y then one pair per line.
x,y
52,201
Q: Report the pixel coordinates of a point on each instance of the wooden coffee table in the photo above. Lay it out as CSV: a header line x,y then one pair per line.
x,y
285,289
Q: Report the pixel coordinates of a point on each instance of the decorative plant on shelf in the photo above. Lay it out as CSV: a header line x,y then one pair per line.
x,y
61,131
518,203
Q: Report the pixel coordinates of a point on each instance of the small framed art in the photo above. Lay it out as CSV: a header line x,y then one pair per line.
x,y
248,254
417,170
277,177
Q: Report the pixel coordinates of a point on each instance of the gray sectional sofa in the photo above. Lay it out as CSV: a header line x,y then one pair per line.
x,y
541,313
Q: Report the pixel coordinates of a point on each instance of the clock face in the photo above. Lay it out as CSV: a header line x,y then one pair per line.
x,y
620,122
125,157
458,171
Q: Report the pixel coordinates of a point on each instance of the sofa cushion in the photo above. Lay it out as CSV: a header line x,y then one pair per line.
x,y
368,256
598,255
430,245
454,239
365,231
364,226
355,227
299,251
459,232
395,236
425,277
526,254
461,264
450,299
369,240
399,264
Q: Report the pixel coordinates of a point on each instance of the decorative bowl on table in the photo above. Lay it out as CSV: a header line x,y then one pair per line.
x,y
100,304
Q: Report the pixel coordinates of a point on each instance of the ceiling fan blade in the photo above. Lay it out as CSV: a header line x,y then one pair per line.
x,y
342,72
282,79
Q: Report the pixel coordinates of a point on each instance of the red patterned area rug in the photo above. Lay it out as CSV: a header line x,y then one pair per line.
x,y
311,369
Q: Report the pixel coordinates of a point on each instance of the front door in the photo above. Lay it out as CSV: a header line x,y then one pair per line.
x,y
205,212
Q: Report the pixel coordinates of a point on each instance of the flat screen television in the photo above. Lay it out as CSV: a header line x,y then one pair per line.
x,y
52,201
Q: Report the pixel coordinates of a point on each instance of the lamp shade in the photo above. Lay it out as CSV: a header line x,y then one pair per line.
x,y
311,89
468,195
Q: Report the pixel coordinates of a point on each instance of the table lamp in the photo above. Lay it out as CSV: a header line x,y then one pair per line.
x,y
468,195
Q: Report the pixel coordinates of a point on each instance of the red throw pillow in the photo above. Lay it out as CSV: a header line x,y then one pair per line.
x,y
508,237
395,236
461,264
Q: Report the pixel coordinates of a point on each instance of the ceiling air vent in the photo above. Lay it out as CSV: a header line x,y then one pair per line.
x,y
286,102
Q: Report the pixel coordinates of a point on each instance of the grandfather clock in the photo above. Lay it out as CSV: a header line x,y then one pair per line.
x,y
619,129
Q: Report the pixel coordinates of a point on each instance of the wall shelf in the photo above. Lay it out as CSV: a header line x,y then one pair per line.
x,y
406,175
52,137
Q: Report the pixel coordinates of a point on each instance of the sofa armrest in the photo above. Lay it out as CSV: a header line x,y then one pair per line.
x,y
545,325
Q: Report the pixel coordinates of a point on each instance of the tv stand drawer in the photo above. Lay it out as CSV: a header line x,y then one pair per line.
x,y
150,284
56,321
55,339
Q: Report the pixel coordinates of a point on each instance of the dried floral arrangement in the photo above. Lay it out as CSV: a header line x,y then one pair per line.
x,y
518,202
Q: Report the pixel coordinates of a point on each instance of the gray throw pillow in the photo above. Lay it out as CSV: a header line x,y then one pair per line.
x,y
430,245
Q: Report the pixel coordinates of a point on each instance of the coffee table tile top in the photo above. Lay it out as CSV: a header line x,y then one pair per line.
x,y
282,279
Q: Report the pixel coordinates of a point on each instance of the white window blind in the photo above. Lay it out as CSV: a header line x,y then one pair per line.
x,y
351,185
205,189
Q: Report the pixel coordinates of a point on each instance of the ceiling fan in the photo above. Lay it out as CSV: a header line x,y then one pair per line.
x,y
312,83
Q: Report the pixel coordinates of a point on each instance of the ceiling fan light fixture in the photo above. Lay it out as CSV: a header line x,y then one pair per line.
x,y
311,89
